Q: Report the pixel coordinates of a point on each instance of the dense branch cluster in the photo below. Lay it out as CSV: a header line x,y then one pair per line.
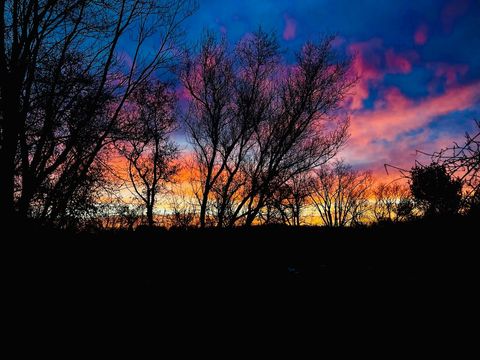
x,y
463,161
255,124
94,92
65,78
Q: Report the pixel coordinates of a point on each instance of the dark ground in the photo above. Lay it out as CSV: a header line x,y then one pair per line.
x,y
439,252
420,272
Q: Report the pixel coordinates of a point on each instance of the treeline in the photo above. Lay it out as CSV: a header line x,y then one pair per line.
x,y
90,104
69,70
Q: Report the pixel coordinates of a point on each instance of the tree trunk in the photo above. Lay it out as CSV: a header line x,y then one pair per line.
x,y
27,194
203,205
203,210
150,215
8,153
7,175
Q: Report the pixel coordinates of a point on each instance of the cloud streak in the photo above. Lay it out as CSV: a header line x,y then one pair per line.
x,y
397,126
290,29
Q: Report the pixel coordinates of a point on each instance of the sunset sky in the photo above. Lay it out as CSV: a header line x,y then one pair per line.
x,y
418,62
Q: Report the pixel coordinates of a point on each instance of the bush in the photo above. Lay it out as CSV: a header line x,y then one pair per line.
x,y
436,192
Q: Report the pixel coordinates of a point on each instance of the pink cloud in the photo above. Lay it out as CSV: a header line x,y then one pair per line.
x,y
403,154
402,114
392,99
290,30
399,63
378,134
450,73
368,56
366,64
371,63
421,35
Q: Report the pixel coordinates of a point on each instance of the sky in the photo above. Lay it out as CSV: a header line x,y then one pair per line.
x,y
418,63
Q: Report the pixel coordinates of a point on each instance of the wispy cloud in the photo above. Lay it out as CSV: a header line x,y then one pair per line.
x,y
397,125
290,29
421,35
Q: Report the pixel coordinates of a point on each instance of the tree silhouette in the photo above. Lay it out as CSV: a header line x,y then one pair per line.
x,y
451,183
463,161
288,202
208,79
255,125
392,202
340,194
63,84
148,122
436,192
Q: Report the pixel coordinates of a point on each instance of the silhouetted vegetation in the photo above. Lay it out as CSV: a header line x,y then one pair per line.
x,y
462,162
340,194
86,127
450,184
65,79
392,202
412,256
146,125
254,124
87,154
435,191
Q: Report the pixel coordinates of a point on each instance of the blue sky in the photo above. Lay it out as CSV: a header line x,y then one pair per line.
x,y
419,63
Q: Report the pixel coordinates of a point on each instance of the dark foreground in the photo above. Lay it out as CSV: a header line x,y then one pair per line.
x,y
419,279
438,253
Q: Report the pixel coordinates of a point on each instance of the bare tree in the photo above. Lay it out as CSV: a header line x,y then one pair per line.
x,y
208,79
63,75
340,194
391,202
255,125
183,210
288,202
451,181
463,162
257,59
148,123
117,215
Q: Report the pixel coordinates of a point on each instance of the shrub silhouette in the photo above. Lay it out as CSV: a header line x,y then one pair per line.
x,y
405,209
436,192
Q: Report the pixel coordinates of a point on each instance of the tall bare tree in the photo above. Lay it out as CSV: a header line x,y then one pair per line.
x,y
256,60
209,80
256,124
64,72
148,123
